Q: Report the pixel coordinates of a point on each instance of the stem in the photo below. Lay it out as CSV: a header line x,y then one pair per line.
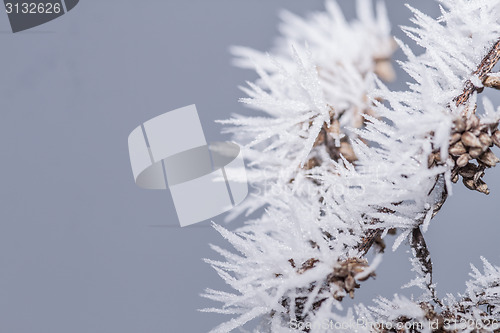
x,y
482,71
424,258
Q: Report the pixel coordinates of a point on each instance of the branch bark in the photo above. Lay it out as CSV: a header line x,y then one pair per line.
x,y
482,71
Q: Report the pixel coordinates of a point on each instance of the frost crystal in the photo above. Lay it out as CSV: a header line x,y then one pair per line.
x,y
339,161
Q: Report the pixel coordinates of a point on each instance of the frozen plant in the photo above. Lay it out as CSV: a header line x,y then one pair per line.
x,y
340,161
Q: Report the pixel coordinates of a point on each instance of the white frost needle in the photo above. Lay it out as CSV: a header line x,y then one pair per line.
x,y
340,160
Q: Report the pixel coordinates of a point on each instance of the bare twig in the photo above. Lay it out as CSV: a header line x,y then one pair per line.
x,y
424,257
482,71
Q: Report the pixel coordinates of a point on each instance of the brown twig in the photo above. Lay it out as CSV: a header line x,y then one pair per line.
x,y
424,257
482,71
347,283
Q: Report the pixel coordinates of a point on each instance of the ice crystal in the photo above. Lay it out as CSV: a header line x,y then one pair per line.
x,y
339,160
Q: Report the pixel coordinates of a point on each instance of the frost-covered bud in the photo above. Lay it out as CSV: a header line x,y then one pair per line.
x,y
343,276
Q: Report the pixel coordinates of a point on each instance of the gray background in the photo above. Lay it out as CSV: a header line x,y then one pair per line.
x,y
79,250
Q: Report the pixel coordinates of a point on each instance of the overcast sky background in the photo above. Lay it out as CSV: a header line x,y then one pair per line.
x,y
79,247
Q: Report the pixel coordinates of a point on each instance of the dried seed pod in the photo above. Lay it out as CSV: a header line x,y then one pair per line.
x,y
338,296
475,119
492,82
341,271
307,265
320,139
472,122
455,138
485,139
384,69
311,163
482,187
430,160
468,171
475,152
489,158
341,284
476,132
470,140
489,128
358,269
455,178
458,149
478,176
469,183
460,125
496,138
349,283
347,151
463,160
